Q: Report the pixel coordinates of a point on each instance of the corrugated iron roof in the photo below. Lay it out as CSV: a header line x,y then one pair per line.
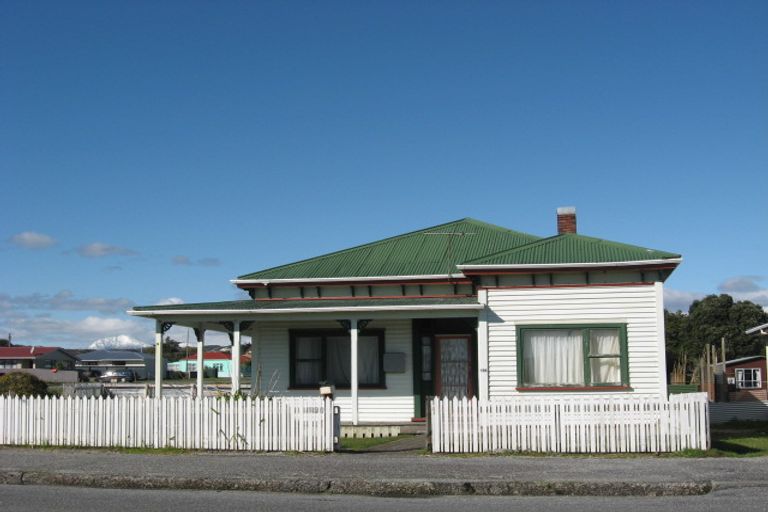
x,y
432,251
115,355
572,248
266,305
216,356
24,352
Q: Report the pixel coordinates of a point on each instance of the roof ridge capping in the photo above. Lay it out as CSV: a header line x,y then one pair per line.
x,y
572,248
322,257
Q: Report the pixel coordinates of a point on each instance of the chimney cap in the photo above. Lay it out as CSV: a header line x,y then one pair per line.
x,y
566,210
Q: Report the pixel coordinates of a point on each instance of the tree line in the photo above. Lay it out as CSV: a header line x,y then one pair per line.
x,y
710,319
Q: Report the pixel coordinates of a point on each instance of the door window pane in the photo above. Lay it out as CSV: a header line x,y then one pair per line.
x,y
454,367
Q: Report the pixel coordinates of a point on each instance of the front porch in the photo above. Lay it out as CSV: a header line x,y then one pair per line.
x,y
383,356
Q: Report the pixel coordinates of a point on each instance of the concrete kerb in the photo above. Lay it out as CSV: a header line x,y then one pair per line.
x,y
388,488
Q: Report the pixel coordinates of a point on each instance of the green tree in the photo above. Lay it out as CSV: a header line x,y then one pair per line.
x,y
677,335
22,384
172,350
710,319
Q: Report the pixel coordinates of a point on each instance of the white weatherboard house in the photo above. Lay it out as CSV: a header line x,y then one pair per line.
x,y
459,309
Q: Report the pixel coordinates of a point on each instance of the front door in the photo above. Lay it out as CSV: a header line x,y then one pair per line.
x,y
453,366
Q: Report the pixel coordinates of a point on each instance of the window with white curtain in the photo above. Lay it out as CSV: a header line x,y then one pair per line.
x,y
324,357
572,356
748,378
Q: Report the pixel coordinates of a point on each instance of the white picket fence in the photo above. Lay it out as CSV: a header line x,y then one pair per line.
x,y
600,424
268,424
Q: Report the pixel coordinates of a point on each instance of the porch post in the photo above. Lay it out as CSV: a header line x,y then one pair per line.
x,y
158,358
200,334
482,346
255,361
353,332
235,366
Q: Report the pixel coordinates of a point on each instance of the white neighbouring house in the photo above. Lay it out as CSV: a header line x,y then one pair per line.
x,y
464,308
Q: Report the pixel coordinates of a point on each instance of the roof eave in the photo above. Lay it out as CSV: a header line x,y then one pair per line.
x,y
758,329
321,280
544,266
349,309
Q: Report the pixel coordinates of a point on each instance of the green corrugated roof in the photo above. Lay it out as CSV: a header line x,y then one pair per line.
x,y
266,305
571,248
431,251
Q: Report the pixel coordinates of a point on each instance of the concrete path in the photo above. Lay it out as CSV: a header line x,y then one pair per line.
x,y
382,474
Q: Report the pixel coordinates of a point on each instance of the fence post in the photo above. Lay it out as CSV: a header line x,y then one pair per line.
x,y
336,424
428,441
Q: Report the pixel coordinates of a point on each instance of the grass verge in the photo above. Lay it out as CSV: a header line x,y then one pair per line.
x,y
361,444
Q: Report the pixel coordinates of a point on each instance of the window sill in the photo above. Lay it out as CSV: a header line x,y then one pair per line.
x,y
578,389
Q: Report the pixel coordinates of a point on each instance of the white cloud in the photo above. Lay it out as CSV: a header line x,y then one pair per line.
x,y
98,325
32,240
202,262
679,300
170,301
100,250
120,342
47,330
746,288
64,300
739,287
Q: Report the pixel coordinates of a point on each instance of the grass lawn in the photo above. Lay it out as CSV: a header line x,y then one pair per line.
x,y
361,444
736,439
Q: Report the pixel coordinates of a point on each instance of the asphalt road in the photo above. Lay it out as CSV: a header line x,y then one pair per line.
x,y
18,498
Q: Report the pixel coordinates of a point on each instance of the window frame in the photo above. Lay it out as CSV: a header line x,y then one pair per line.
x,y
323,334
755,373
585,340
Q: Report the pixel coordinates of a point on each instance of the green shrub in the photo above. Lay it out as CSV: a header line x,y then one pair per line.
x,y
22,384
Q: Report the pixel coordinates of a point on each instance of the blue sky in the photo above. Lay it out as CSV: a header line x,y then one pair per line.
x,y
151,151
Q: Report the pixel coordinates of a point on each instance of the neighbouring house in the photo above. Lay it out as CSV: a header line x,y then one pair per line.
x,y
215,364
460,309
99,361
51,364
36,358
746,378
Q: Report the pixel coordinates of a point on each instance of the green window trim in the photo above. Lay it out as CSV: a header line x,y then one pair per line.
x,y
323,334
585,338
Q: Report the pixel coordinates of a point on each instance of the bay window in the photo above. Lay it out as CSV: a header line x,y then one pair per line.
x,y
572,356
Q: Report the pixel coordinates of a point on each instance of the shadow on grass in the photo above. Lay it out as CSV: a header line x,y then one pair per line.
x,y
735,448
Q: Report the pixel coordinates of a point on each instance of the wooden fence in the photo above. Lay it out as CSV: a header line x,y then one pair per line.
x,y
600,424
268,424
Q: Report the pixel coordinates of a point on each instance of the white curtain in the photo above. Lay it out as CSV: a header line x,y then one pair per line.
x,y
339,359
308,358
605,343
553,357
368,360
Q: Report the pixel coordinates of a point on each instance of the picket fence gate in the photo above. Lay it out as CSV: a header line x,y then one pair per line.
x,y
222,423
600,424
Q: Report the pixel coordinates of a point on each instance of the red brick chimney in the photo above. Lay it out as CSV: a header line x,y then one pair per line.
x,y
566,220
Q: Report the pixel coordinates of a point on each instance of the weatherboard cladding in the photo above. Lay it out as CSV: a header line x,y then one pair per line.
x,y
571,248
431,251
236,305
